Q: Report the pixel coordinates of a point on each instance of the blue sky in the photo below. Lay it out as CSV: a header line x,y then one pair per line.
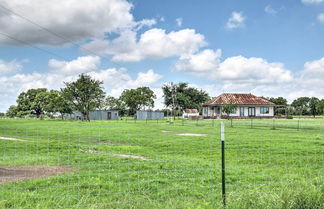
x,y
269,48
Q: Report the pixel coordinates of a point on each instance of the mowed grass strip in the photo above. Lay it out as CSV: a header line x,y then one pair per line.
x,y
270,164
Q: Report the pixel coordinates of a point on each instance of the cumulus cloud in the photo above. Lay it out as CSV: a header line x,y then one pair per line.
x,y
115,80
208,64
236,20
314,68
9,67
77,66
153,44
260,77
206,60
320,17
69,18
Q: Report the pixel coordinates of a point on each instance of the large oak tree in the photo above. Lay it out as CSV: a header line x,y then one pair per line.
x,y
85,94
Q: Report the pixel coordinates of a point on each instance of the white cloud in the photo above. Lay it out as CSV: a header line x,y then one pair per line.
x,y
69,18
206,60
115,80
9,67
314,68
268,9
179,22
77,66
153,44
312,1
260,77
236,20
208,64
320,17
145,22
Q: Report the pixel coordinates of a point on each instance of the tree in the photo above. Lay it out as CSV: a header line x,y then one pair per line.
x,y
301,105
112,103
312,105
32,102
140,98
12,111
279,101
85,94
229,108
57,103
180,96
320,107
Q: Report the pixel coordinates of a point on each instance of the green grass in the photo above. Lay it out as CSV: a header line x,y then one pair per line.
x,y
270,164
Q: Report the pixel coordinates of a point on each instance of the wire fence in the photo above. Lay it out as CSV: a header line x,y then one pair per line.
x,y
160,164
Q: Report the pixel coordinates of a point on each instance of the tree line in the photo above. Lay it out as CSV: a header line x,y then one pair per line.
x,y
300,106
87,94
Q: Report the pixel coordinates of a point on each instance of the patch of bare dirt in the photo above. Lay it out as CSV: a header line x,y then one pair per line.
x,y
131,156
166,131
110,143
23,173
11,139
92,151
191,134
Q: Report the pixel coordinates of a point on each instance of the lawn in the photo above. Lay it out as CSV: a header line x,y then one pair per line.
x,y
149,164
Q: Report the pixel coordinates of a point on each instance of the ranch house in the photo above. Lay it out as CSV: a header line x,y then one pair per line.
x,y
248,106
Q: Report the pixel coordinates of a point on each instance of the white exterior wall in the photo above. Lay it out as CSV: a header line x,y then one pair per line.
x,y
187,115
257,111
209,112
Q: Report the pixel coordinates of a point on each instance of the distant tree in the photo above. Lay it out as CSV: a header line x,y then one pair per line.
x,y
85,94
2,114
180,96
57,103
301,105
312,105
320,107
12,111
112,103
136,99
229,108
281,102
32,102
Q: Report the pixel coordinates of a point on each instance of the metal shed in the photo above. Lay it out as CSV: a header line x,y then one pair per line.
x,y
149,115
104,115
95,115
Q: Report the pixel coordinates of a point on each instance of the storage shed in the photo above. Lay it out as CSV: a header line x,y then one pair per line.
x,y
95,115
149,115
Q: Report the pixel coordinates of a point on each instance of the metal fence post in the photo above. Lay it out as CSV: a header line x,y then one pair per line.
x,y
223,162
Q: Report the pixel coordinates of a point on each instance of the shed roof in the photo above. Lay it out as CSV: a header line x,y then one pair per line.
x,y
190,111
239,99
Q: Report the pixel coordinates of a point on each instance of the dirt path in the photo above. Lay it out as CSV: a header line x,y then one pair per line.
x,y
130,156
11,139
22,173
191,134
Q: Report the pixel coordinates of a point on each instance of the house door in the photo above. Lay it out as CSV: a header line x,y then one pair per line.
x,y
109,116
241,111
251,111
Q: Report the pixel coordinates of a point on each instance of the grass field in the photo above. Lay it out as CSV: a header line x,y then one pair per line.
x,y
146,164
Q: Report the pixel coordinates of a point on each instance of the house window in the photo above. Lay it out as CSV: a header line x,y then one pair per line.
x,y
233,111
264,110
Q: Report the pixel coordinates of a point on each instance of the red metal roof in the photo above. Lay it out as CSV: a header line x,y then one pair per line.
x,y
239,99
191,111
